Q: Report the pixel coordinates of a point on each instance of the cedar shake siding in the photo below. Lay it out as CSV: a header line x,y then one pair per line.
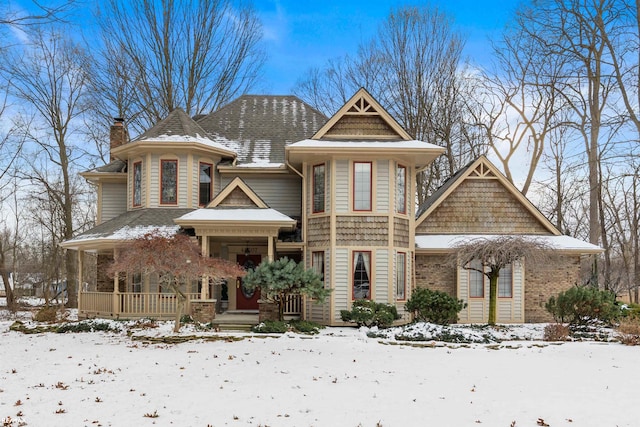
x,y
481,206
365,231
401,232
545,280
435,272
318,232
359,126
237,198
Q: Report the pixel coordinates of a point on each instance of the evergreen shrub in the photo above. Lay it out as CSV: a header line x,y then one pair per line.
x,y
581,305
370,313
434,306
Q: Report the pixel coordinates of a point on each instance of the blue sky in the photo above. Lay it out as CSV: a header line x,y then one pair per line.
x,y
301,34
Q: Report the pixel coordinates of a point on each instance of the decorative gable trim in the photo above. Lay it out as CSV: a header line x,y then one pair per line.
x,y
237,185
482,168
362,113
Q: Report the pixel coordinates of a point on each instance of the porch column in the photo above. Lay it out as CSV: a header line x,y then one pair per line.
x,y
116,294
270,248
204,289
80,279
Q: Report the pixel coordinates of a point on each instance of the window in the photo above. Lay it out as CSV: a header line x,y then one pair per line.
x,y
318,188
476,280
401,275
168,182
136,283
361,275
401,189
317,263
362,186
505,282
137,184
204,191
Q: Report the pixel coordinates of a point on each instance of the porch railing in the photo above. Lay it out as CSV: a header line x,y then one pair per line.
x,y
132,304
293,305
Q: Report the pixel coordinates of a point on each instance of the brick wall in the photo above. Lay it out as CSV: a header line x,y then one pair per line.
x,y
435,272
545,280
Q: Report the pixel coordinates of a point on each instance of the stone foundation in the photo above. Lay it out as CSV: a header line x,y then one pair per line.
x,y
268,311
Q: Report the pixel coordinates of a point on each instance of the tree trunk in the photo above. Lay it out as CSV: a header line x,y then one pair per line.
x,y
493,298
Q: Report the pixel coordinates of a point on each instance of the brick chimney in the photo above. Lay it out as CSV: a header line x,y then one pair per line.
x,y
118,134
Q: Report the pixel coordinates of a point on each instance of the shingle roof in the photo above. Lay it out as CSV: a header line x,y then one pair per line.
x,y
113,166
132,224
442,189
177,123
258,127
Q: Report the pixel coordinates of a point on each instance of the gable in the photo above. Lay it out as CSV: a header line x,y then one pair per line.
x,y
362,117
480,200
237,194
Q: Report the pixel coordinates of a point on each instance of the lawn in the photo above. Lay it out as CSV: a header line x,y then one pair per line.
x,y
340,377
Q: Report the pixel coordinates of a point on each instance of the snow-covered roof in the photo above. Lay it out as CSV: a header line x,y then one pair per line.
x,y
433,242
236,214
130,225
394,144
169,137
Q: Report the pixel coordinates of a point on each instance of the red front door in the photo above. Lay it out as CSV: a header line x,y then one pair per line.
x,y
245,299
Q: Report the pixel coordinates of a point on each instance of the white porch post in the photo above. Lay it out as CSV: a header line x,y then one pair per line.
x,y
80,278
204,290
116,294
270,249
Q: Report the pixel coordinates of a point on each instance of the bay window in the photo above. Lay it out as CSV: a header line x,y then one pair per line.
x,y
205,179
401,276
401,189
361,275
137,184
168,182
318,188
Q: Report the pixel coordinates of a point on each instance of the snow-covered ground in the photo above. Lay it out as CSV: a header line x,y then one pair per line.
x,y
340,377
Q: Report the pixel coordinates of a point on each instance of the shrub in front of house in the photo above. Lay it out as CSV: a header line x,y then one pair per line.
x,y
556,332
279,327
581,305
434,306
370,313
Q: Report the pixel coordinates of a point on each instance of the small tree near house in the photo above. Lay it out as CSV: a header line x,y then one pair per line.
x,y
280,279
175,259
495,253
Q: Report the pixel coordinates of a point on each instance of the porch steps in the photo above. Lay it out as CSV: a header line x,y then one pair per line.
x,y
236,320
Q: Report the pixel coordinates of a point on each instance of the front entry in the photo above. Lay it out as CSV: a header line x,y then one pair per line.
x,y
245,299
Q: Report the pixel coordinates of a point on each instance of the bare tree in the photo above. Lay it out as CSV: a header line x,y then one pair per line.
x,y
413,67
49,78
197,55
176,260
496,253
